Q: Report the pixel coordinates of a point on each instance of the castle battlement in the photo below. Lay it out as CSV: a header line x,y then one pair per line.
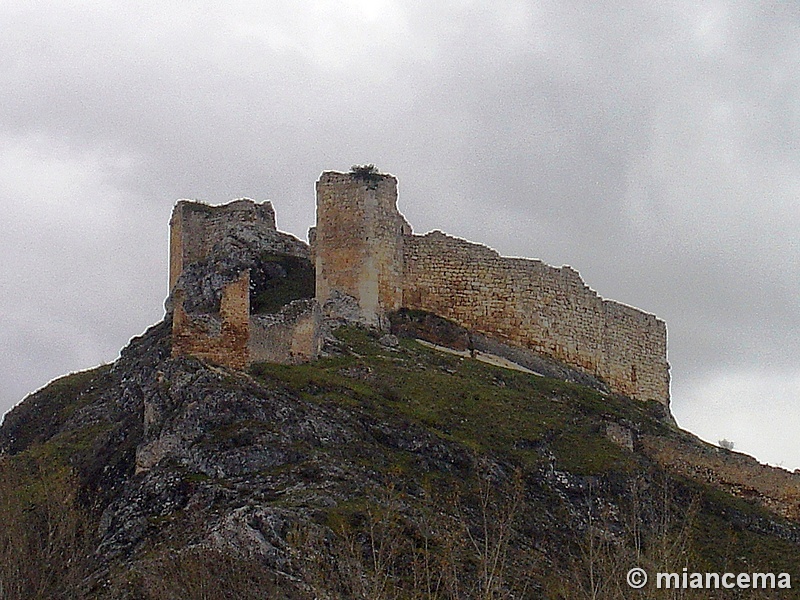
x,y
363,250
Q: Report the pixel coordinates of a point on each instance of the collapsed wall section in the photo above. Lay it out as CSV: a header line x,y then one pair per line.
x,y
292,335
358,243
220,338
548,310
214,250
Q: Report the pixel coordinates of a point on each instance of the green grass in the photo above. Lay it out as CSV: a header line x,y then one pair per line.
x,y
67,394
42,414
483,407
236,434
527,424
489,410
299,283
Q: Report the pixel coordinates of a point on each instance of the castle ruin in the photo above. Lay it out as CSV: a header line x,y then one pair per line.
x,y
368,264
223,260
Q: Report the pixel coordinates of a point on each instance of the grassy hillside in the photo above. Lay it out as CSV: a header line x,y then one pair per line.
x,y
636,513
382,471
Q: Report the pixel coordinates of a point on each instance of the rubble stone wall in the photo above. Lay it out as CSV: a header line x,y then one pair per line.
x,y
291,336
221,338
535,306
738,474
233,337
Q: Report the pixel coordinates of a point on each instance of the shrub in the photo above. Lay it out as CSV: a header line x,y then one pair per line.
x,y
368,173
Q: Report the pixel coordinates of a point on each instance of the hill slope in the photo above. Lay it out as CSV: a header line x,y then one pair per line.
x,y
386,470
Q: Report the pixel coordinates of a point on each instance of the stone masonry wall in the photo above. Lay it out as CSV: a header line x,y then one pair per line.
x,y
546,309
291,336
363,249
218,338
358,243
209,245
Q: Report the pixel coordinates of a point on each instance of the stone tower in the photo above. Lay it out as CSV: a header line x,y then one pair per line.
x,y
195,228
358,243
369,264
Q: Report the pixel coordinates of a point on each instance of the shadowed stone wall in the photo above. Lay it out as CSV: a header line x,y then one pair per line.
x,y
292,335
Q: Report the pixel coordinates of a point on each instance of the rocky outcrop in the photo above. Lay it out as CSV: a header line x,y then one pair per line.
x,y
295,471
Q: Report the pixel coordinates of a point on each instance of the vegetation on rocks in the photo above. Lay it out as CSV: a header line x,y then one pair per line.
x,y
277,280
382,471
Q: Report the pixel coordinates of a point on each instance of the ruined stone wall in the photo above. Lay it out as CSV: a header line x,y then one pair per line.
x,y
733,472
364,249
368,264
196,227
233,237
291,336
221,338
546,309
358,243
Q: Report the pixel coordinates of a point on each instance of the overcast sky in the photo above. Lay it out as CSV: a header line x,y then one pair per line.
x,y
653,146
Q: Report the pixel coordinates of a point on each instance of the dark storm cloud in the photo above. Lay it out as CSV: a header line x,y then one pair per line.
x,y
654,147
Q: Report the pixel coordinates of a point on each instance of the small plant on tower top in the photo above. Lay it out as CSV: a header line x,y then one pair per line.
x,y
367,173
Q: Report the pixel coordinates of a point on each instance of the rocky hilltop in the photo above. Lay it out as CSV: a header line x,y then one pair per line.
x,y
386,468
